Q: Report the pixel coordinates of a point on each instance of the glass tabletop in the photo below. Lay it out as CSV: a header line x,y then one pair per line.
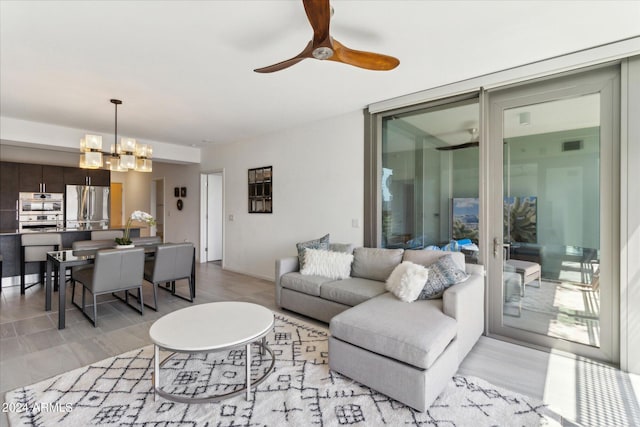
x,y
70,255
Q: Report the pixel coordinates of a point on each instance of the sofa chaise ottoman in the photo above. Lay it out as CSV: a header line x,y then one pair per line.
x,y
408,351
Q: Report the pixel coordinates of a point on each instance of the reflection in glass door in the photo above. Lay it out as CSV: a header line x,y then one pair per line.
x,y
556,214
429,177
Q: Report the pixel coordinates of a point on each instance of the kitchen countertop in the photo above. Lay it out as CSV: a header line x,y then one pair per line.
x,y
58,230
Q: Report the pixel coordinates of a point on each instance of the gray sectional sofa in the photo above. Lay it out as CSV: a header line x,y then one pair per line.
x,y
408,351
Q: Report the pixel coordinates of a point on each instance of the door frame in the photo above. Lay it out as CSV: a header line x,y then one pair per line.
x,y
153,192
604,80
204,196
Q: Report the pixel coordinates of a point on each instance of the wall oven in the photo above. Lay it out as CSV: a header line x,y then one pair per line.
x,y
38,211
40,203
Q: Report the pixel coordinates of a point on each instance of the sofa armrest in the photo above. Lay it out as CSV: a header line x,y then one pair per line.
x,y
284,266
474,269
465,303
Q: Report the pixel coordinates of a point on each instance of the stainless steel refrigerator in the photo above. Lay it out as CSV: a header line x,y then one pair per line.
x,y
86,206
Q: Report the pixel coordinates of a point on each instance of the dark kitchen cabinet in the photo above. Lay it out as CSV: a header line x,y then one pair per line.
x,y
77,176
8,220
9,182
40,178
99,177
9,185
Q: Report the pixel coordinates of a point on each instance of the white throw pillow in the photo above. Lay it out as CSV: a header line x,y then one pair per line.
x,y
407,280
334,265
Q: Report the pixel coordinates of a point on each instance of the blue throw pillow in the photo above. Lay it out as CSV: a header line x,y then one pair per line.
x,y
442,274
321,243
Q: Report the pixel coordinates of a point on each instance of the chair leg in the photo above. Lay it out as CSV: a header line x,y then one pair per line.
x,y
22,272
41,272
155,295
73,291
126,299
83,294
95,310
141,300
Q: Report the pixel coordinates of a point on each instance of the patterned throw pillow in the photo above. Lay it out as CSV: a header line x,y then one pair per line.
x,y
321,243
442,274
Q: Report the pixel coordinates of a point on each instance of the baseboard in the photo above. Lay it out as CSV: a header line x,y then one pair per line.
x,y
257,276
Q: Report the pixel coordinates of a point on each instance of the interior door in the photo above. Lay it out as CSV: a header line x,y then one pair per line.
x,y
214,217
116,204
553,162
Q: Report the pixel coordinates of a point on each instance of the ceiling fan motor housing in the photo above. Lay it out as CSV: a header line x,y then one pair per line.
x,y
322,52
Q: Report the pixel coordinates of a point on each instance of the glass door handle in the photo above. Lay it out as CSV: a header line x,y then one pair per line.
x,y
496,247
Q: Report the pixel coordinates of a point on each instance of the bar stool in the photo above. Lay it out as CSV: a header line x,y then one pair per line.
x,y
34,249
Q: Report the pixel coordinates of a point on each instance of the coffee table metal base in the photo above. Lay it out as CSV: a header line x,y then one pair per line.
x,y
246,389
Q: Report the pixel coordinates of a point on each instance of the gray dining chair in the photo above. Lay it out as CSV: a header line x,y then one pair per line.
x,y
106,234
114,270
34,248
84,245
172,261
146,240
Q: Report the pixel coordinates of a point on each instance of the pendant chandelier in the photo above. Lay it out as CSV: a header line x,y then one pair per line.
x,y
126,155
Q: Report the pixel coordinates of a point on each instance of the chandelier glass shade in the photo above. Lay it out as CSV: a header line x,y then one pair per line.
x,y
126,155
91,152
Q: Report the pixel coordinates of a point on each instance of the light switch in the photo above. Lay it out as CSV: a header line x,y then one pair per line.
x,y
355,223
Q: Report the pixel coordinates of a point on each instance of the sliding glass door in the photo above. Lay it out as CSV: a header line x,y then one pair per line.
x,y
429,177
553,188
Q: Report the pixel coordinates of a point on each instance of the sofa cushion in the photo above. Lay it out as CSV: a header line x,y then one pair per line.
x,y
351,291
321,243
415,333
428,257
342,247
375,263
442,274
336,265
407,281
305,284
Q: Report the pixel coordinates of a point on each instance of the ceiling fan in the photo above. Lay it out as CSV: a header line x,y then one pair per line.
x,y
473,143
323,46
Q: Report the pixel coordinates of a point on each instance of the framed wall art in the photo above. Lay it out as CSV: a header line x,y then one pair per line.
x,y
260,190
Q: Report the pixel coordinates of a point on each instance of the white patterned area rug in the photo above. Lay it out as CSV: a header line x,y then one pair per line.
x,y
300,391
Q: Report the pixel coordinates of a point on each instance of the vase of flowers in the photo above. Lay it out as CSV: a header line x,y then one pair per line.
x,y
138,216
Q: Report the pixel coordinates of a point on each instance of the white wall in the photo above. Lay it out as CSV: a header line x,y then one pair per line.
x,y
318,187
18,154
135,192
46,136
184,225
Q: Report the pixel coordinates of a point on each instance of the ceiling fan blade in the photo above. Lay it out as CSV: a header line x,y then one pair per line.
x,y
319,15
368,60
458,147
306,53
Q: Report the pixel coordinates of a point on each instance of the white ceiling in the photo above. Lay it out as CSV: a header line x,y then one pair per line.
x,y
184,68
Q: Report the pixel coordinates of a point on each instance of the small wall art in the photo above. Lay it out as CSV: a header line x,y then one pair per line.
x,y
183,191
176,191
260,190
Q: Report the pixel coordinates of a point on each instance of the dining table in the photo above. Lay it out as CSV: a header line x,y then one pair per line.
x,y
61,260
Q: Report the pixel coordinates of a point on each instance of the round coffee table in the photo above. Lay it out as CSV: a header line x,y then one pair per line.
x,y
208,328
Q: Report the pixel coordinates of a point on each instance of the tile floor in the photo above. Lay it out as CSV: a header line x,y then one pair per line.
x,y
32,349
